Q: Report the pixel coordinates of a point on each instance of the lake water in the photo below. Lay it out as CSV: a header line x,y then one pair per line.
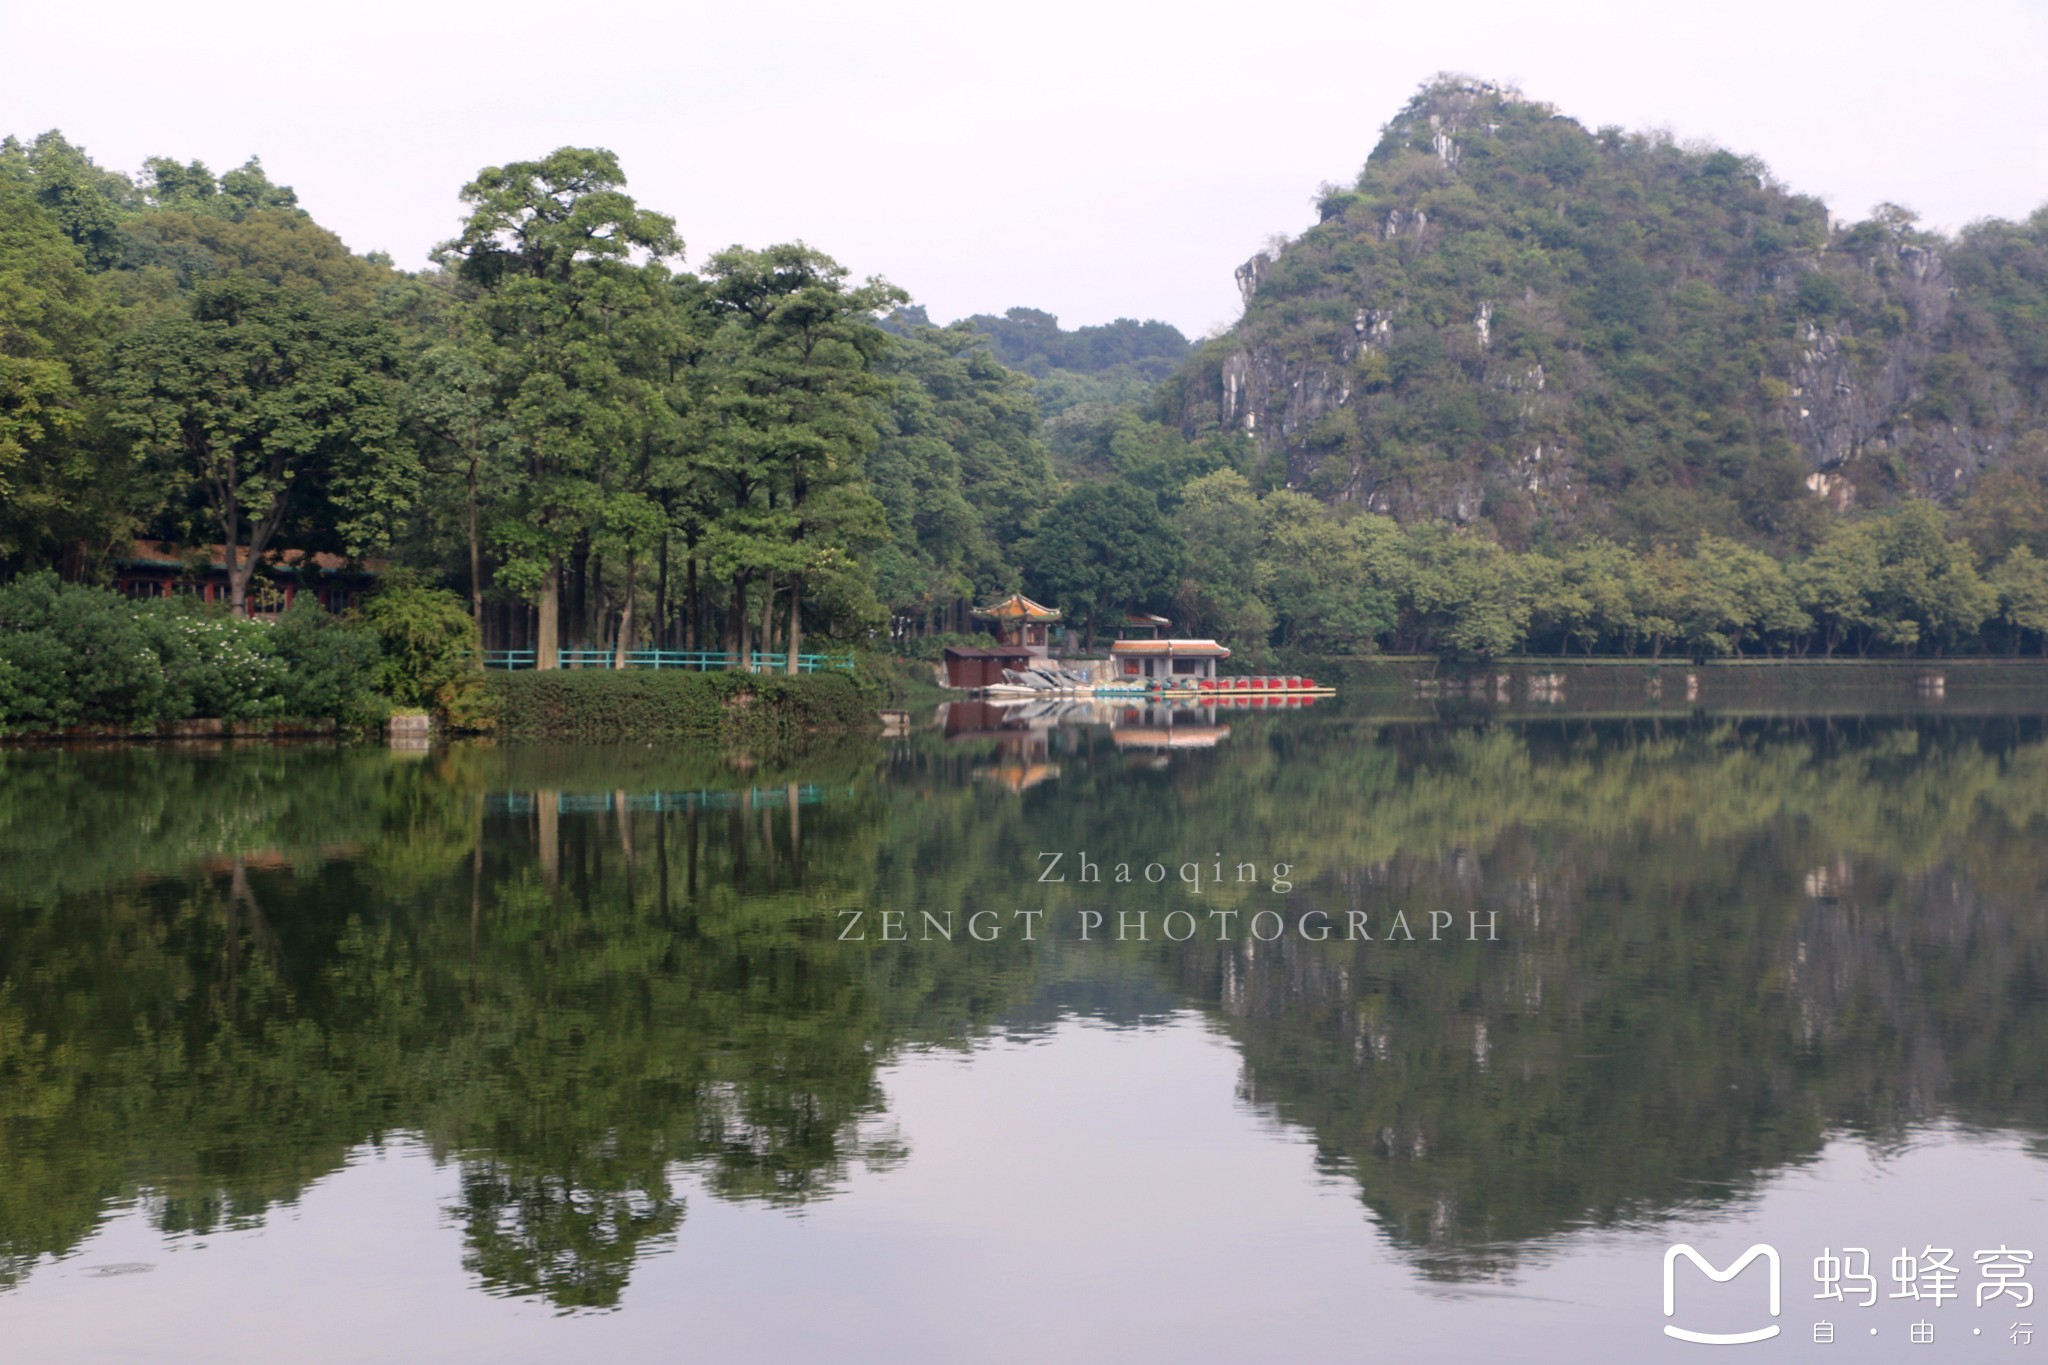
x,y
1447,1020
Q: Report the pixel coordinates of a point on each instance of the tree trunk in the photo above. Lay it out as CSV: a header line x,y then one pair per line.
x,y
690,604
768,614
626,613
578,593
662,634
548,633
239,574
230,516
476,554
796,639
743,648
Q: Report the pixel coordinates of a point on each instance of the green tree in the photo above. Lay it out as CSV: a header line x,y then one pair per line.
x,y
452,399
549,245
1732,593
1655,599
1835,583
1463,592
789,409
66,491
429,653
1600,573
191,186
86,203
2021,582
170,252
1331,585
72,655
1223,526
331,665
2008,505
1104,549
960,471
263,402
1928,586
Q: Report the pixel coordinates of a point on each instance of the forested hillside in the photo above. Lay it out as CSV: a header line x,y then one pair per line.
x,y
1561,332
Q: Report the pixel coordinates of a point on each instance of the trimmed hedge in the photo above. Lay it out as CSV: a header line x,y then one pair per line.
x,y
599,704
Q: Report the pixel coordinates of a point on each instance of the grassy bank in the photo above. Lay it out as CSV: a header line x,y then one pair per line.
x,y
600,705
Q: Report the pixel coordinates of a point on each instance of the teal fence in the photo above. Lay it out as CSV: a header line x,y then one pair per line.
x,y
700,660
593,803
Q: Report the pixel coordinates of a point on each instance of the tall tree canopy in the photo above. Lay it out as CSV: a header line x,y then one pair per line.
x,y
790,401
1102,549
549,245
264,402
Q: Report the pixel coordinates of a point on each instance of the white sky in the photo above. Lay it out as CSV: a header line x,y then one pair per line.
x,y
1095,158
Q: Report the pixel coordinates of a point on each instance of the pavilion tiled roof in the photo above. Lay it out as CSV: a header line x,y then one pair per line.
x,y
1018,607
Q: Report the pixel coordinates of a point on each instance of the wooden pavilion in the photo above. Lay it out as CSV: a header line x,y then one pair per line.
x,y
1019,622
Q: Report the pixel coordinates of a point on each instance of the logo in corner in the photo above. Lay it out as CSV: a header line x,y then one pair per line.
x,y
1765,1250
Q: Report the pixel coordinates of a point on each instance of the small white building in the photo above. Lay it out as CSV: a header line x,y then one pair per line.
x,y
1183,661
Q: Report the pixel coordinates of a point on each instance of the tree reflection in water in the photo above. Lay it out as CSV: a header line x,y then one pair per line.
x,y
578,975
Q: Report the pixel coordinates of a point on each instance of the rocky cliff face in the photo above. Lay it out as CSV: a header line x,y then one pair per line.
x,y
1509,316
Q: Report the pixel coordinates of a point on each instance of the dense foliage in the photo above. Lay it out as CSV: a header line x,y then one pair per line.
x,y
1108,364
78,656
1525,387
1283,569
430,654
595,447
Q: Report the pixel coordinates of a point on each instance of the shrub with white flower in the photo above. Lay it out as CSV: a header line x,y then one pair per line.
x,y
216,665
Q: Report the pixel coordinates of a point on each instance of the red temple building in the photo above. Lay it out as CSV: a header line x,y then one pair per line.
x,y
156,568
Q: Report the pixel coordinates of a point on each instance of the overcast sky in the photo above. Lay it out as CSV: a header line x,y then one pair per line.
x,y
1095,158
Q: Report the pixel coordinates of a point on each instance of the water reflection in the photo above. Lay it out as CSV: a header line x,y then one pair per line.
x,y
579,976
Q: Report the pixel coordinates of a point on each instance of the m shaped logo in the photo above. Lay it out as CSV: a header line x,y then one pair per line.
x,y
1766,1251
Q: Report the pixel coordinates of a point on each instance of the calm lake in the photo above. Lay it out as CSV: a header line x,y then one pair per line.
x,y
1421,1029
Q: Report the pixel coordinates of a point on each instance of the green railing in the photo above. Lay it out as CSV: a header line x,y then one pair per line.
x,y
699,660
598,803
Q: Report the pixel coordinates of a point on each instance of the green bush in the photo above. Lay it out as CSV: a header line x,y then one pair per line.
x,y
431,653
75,656
79,656
598,704
213,663
331,666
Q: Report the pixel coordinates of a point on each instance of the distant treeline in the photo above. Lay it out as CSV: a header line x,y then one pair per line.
x,y
1283,568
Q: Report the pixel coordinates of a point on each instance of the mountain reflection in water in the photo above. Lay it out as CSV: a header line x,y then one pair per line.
x,y
581,978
